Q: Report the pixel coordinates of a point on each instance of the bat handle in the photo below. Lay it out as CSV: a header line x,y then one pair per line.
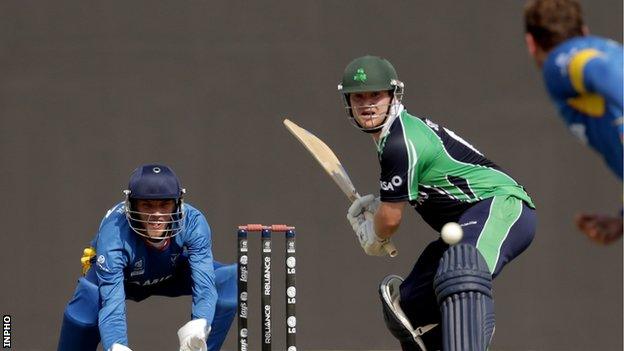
x,y
389,247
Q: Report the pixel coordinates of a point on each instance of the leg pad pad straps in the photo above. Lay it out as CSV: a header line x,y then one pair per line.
x,y
396,321
463,286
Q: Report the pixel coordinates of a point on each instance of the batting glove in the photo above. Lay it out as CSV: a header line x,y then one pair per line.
x,y
360,209
364,229
368,203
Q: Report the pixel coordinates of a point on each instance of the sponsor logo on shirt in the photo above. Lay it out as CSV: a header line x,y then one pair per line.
x,y
396,181
468,223
152,281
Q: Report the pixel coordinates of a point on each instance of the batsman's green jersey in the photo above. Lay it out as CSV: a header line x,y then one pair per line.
x,y
438,172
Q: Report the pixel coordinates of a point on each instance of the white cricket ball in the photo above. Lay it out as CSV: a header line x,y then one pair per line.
x,y
452,233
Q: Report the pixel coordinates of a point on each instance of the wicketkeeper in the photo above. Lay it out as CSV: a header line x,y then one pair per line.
x,y
150,244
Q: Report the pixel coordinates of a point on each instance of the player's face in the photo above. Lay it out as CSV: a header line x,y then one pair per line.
x,y
370,108
155,215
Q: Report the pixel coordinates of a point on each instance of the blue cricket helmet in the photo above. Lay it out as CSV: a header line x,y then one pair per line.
x,y
154,182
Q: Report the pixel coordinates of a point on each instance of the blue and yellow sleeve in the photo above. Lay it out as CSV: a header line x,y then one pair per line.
x,y
597,79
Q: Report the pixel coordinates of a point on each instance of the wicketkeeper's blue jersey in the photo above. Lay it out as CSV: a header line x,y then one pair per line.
x,y
124,257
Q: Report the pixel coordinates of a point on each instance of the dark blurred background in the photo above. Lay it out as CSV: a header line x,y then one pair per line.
x,y
90,90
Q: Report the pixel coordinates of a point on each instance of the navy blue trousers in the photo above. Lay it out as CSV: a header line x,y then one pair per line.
x,y
484,227
80,331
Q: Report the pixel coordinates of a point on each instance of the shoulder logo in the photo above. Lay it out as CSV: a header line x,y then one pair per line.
x,y
360,75
563,59
117,208
101,260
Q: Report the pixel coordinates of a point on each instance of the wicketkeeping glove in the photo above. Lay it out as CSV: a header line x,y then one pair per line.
x,y
193,335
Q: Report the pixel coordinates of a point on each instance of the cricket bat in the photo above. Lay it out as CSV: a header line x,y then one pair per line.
x,y
330,163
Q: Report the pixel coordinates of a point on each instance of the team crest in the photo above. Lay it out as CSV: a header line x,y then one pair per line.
x,y
138,264
138,268
360,75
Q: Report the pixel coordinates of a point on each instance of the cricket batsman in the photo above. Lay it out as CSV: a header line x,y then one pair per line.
x,y
150,244
583,75
446,179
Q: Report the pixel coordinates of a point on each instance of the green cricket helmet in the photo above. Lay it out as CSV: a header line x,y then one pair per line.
x,y
369,74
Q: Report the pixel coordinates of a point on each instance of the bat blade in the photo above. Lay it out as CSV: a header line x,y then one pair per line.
x,y
330,163
325,157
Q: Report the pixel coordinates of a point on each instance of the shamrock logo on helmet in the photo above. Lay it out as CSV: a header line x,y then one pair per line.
x,y
360,75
